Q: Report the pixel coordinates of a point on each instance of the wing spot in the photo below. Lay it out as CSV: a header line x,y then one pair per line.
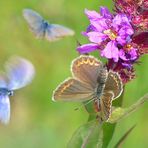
x,y
87,61
65,86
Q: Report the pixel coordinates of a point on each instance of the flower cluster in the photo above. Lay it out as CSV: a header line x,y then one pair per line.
x,y
137,10
117,37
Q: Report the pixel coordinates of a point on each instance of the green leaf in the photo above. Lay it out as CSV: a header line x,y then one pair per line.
x,y
108,130
123,138
89,135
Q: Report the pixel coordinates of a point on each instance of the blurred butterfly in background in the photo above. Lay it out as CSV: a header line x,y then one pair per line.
x,y
90,81
19,73
42,29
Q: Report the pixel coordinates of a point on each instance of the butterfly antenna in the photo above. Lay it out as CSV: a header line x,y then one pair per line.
x,y
78,43
92,99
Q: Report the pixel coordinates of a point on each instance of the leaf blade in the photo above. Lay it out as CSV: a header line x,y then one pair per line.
x,y
123,138
87,136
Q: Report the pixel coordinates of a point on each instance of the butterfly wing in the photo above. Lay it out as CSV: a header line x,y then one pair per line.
x,y
3,80
20,72
105,105
114,84
55,32
89,70
35,22
73,90
4,109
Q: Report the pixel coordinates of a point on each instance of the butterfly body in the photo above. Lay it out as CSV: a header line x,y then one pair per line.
x,y
45,24
91,81
42,30
5,91
101,80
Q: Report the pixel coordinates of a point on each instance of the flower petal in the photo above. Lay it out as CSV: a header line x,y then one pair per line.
x,y
96,37
121,40
128,65
111,51
126,56
100,25
124,34
126,30
105,12
133,54
86,48
92,15
122,54
121,19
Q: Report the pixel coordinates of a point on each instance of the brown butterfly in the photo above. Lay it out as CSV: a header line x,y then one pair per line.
x,y
90,80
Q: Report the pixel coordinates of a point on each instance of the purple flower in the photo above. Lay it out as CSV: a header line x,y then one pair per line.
x,y
87,47
136,10
128,55
124,68
108,33
121,37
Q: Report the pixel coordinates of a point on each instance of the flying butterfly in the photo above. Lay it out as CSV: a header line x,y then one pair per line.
x,y
42,29
19,73
90,80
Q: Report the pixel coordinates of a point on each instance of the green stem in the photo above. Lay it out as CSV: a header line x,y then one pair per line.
x,y
136,106
132,108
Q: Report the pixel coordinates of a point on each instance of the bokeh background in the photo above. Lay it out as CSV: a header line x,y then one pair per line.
x,y
36,121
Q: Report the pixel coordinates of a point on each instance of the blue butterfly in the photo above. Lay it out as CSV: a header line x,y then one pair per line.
x,y
42,29
19,73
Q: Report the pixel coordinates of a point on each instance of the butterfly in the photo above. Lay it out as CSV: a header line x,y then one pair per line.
x,y
42,29
90,80
19,73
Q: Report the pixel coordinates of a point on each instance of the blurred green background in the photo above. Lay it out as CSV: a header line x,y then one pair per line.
x,y
36,121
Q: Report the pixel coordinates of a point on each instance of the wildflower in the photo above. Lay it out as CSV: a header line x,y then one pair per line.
x,y
121,37
108,33
136,10
128,53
